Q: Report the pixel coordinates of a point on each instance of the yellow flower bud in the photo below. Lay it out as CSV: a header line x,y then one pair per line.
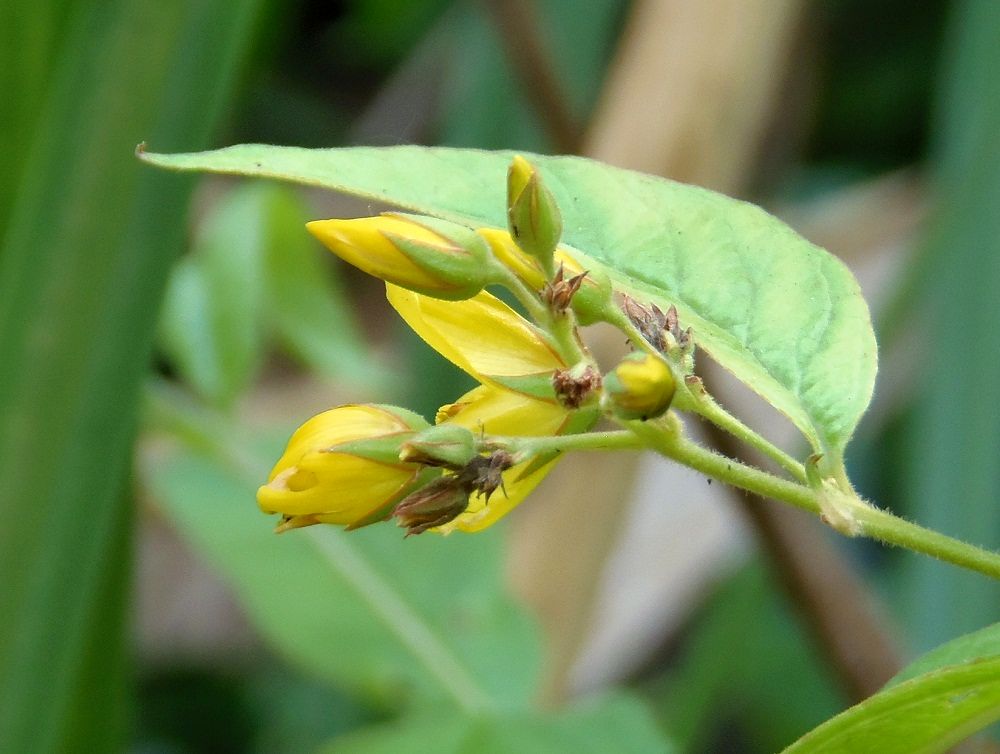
x,y
342,467
640,387
434,257
532,215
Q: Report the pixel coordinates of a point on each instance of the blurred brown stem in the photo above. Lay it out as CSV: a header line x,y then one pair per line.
x,y
835,605
517,23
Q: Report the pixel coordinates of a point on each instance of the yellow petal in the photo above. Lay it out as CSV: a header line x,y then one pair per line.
x,y
362,242
502,412
525,266
311,484
334,484
481,335
341,424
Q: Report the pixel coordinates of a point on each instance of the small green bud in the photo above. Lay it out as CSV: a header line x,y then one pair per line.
x,y
532,215
640,387
447,445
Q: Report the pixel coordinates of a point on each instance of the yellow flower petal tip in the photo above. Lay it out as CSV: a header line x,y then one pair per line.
x,y
342,467
431,256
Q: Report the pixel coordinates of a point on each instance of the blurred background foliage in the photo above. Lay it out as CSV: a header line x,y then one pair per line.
x,y
190,325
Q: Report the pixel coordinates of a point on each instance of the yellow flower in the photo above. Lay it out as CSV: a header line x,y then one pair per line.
x,y
342,467
640,387
514,362
435,257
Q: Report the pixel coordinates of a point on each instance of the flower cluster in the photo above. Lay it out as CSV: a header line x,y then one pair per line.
x,y
358,464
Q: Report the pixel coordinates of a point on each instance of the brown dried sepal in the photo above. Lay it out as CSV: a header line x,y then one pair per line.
x,y
573,386
660,329
447,497
559,292
438,503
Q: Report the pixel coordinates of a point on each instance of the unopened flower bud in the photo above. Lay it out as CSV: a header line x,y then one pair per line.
x,y
434,257
532,214
342,467
439,502
448,445
640,387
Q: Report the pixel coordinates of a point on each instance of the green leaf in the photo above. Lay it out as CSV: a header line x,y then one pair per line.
x,y
619,723
366,610
927,714
88,240
784,316
978,645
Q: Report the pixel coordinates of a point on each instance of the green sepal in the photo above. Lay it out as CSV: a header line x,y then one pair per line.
x,y
533,216
447,445
533,385
411,418
464,267
594,298
382,449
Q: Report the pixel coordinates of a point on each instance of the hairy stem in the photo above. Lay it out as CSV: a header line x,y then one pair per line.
x,y
872,522
705,406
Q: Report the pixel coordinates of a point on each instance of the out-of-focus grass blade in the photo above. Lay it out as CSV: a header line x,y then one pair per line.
x,y
83,264
955,438
29,35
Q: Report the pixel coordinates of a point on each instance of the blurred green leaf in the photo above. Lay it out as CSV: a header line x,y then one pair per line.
x,y
747,686
83,263
954,438
978,645
366,609
619,724
925,715
252,267
783,315
211,316
307,303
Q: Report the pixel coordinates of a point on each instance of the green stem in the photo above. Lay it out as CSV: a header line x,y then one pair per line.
x,y
875,523
561,328
615,440
527,297
706,407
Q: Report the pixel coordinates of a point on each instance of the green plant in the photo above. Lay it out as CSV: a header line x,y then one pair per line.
x,y
674,267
